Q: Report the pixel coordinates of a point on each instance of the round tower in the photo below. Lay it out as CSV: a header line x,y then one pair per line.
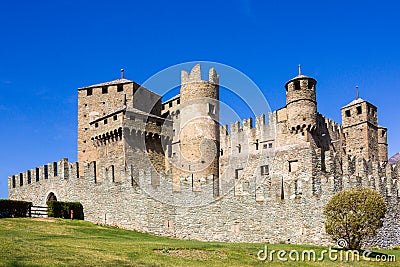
x,y
199,126
301,103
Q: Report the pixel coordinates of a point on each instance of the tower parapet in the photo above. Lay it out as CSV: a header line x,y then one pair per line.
x,y
301,104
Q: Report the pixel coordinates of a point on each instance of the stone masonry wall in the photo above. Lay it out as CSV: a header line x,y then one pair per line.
x,y
246,217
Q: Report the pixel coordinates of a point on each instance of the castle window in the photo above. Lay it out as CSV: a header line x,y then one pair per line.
x,y
348,114
37,175
256,143
55,169
89,92
239,148
221,152
13,181
265,146
270,145
120,87
173,132
383,133
293,166
95,172
211,109
238,173
296,85
359,110
115,117
170,104
310,85
112,174
264,170
163,107
105,121
178,101
96,124
21,179
46,172
104,90
29,177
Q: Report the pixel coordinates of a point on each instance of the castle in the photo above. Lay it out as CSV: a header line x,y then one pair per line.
x,y
171,169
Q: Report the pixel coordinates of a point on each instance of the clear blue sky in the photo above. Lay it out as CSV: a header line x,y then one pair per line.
x,y
50,48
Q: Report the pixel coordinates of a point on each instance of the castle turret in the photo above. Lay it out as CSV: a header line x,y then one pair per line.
x,y
199,126
301,103
360,127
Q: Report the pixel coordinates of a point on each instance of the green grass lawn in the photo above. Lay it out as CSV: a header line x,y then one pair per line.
x,y
57,242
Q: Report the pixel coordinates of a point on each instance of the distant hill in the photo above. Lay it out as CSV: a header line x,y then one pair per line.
x,y
395,158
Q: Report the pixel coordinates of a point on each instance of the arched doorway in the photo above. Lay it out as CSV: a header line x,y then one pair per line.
x,y
51,196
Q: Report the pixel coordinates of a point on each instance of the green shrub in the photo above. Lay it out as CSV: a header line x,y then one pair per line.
x,y
14,208
353,215
59,209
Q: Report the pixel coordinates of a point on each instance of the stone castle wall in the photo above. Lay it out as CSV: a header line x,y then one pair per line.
x,y
258,214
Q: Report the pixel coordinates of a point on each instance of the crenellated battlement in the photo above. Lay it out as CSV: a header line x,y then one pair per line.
x,y
247,125
195,75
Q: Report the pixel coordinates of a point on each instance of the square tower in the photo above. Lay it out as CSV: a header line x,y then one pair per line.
x,y
360,127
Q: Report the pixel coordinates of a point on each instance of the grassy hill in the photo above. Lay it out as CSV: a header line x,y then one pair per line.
x,y
56,242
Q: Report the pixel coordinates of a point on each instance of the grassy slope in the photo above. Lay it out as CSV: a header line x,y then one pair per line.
x,y
31,242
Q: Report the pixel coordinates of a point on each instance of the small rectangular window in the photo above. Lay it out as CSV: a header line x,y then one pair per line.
x,y
211,109
112,174
270,145
265,146
178,101
265,170
359,110
293,166
104,90
348,114
163,107
55,168
96,124
120,87
238,173
105,121
170,104
115,117
89,92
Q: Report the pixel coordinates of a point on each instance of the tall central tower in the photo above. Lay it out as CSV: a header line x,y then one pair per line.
x,y
199,126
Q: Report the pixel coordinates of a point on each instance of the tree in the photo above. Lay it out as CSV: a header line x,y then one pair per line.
x,y
352,215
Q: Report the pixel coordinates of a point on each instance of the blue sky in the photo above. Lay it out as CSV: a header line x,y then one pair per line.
x,y
50,48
